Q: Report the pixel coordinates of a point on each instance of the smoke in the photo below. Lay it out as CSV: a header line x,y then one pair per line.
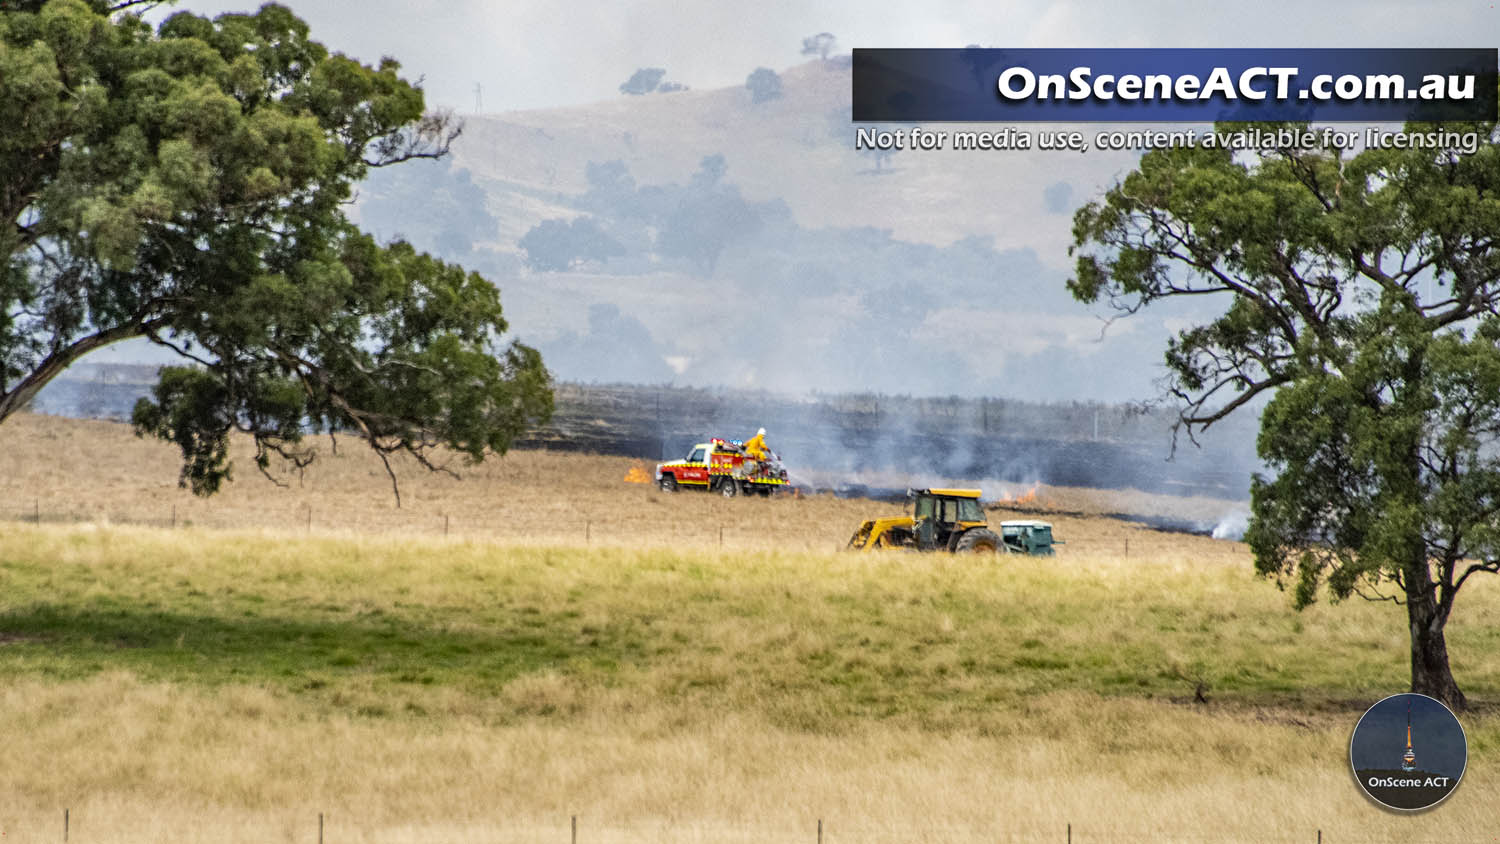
x,y
1232,526
1004,447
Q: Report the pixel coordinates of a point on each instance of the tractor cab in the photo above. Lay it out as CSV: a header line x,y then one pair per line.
x,y
951,520
940,516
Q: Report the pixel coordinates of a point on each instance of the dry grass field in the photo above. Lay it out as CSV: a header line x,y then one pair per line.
x,y
229,679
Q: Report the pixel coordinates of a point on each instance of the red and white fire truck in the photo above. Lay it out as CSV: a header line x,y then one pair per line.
x,y
722,466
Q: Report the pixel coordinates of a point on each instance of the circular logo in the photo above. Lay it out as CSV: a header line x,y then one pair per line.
x,y
1408,752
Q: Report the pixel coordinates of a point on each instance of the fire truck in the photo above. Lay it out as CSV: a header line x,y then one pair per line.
x,y
722,466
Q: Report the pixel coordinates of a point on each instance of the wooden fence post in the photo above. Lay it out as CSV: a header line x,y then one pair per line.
x,y
320,828
65,824
575,829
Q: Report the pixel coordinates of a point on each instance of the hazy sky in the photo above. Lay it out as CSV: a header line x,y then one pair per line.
x,y
533,54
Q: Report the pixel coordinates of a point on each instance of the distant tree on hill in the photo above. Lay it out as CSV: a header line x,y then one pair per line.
x,y
763,84
185,184
819,45
556,245
612,191
709,216
670,87
643,81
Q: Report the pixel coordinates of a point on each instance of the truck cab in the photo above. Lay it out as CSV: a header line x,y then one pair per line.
x,y
721,466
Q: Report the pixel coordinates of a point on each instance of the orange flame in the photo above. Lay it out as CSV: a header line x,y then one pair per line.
x,y
1029,498
637,475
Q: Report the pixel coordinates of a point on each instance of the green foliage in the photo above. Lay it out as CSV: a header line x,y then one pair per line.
x,y
1363,300
186,185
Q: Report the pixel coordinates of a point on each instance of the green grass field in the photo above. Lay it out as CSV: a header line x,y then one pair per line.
x,y
191,684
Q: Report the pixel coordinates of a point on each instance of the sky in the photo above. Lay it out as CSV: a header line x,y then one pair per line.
x,y
527,54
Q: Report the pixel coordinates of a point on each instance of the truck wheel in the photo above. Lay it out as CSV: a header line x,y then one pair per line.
x,y
729,487
668,483
978,541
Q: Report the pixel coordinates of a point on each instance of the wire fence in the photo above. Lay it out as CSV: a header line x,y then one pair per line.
x,y
573,831
598,529
604,531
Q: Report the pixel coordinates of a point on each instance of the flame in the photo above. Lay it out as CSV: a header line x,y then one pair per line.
x,y
1029,498
637,475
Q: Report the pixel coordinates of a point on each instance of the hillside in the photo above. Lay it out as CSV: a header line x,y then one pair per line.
x,y
698,239
798,148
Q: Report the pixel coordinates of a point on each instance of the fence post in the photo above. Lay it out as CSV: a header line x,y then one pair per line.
x,y
1320,836
65,824
1070,834
1127,546
445,524
320,828
174,514
309,518
721,536
575,829
820,831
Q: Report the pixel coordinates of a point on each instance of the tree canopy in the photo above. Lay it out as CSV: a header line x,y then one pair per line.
x,y
1361,297
819,45
764,85
643,81
186,185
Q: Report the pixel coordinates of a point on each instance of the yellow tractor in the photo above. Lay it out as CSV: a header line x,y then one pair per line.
x,y
940,520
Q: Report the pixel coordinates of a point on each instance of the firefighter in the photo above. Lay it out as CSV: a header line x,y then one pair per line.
x,y
755,447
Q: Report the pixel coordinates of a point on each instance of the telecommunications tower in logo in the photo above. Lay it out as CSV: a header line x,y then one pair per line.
x,y
1389,769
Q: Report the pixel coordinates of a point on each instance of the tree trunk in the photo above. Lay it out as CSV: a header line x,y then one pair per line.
x,y
1430,674
53,365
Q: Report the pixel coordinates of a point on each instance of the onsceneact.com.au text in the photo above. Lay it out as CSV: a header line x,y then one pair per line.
x,y
1253,83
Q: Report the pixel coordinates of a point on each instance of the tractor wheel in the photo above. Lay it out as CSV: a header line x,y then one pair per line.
x,y
668,483
729,487
978,541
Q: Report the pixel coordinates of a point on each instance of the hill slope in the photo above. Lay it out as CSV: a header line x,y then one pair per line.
x,y
739,244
